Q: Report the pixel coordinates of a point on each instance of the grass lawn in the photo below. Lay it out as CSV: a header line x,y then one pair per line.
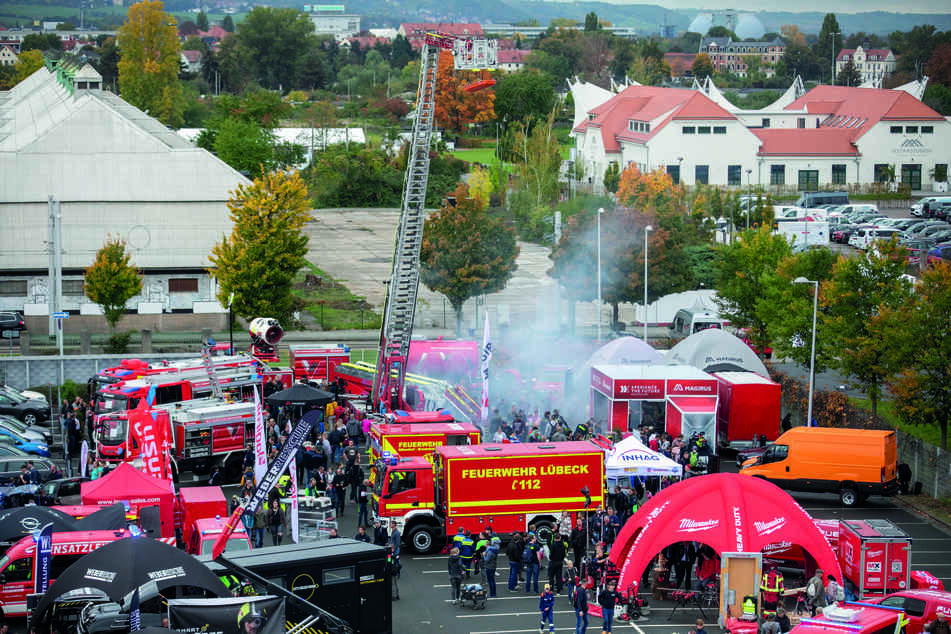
x,y
886,410
331,303
484,155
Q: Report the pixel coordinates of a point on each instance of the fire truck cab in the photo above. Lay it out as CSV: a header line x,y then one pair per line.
x,y
920,607
419,439
206,531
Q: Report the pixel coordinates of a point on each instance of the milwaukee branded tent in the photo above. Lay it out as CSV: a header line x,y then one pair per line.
x,y
137,490
630,458
739,514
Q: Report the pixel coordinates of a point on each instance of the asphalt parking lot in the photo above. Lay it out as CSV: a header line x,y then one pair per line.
x,y
424,587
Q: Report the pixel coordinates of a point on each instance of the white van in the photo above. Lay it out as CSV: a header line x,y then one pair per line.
x,y
690,320
866,236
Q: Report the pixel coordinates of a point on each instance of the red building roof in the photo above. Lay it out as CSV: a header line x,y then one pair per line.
x,y
215,32
872,54
805,142
645,104
513,55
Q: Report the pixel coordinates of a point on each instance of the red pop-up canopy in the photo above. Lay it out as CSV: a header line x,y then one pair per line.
x,y
128,485
728,512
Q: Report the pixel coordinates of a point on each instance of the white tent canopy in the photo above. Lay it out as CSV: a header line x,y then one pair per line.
x,y
587,97
715,350
630,458
620,351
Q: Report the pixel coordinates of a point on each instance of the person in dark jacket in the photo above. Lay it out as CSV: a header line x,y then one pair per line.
x,y
361,535
577,540
556,562
607,600
490,562
783,619
514,554
580,605
546,605
380,538
572,579
455,574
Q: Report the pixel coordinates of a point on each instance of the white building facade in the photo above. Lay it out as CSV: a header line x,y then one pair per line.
x,y
873,64
830,137
332,19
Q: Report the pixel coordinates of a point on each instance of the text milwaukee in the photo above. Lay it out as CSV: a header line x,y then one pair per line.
x,y
522,472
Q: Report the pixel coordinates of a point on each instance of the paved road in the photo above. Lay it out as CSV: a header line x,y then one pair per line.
x,y
424,586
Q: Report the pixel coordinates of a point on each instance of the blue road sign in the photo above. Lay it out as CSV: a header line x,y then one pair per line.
x,y
60,315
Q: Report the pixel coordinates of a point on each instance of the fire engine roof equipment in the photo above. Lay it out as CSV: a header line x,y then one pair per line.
x,y
302,395
725,511
631,457
129,563
715,350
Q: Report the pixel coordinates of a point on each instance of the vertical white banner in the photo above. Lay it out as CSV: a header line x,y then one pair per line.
x,y
260,447
83,458
485,357
295,522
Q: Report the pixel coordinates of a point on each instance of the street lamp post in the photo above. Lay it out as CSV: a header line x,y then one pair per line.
x,y
647,229
600,211
812,355
749,191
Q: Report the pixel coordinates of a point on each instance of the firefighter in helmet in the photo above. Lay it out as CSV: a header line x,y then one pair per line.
x,y
251,619
771,588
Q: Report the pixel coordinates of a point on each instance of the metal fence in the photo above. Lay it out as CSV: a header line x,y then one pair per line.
x,y
929,464
25,372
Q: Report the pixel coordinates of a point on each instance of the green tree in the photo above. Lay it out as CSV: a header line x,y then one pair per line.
x,y
202,21
612,177
66,26
108,65
745,267
245,146
466,252
537,158
41,42
702,66
148,68
524,97
27,63
919,341
787,308
112,280
228,24
849,75
721,31
275,40
828,44
859,290
266,248
354,176
591,22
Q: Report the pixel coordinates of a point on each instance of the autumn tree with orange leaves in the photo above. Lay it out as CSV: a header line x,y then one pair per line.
x,y
456,108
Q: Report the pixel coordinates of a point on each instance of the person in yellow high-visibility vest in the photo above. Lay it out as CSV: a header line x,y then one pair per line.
x,y
771,588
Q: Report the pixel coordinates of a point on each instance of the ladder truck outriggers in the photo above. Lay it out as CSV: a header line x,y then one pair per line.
x,y
400,303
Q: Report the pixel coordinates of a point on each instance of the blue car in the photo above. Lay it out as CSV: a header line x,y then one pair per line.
x,y
29,445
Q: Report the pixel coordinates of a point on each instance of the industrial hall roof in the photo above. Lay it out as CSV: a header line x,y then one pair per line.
x,y
113,168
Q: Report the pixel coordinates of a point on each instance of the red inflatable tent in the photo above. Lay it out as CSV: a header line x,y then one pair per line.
x,y
728,512
129,485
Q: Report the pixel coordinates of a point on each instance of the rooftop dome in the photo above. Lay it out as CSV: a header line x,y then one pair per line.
x,y
749,26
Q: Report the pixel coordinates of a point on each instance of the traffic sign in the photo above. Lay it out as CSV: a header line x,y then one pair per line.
x,y
60,315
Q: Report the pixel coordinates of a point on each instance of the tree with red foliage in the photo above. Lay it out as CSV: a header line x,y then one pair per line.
x,y
939,65
456,108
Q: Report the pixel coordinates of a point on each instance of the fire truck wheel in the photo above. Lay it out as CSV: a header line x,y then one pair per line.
x,y
848,496
421,539
543,530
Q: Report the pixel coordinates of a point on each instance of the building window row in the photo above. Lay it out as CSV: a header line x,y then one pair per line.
x,y
911,129
638,126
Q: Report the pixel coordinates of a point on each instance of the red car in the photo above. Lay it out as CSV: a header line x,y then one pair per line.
x,y
745,337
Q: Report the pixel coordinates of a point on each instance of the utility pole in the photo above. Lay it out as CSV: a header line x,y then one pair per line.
x,y
834,33
54,297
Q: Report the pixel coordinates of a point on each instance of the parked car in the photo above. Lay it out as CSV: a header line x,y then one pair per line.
x,y
750,452
30,411
919,229
37,433
940,253
10,450
27,394
10,468
744,335
933,230
865,237
24,443
62,492
12,320
916,208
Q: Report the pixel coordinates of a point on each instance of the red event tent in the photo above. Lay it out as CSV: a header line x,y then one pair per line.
x,y
728,512
127,484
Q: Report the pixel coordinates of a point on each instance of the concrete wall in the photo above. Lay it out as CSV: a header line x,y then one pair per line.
x,y
929,465
164,322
